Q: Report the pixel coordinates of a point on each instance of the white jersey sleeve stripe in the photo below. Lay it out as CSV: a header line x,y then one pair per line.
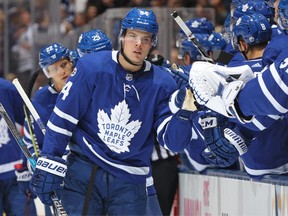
x,y
278,170
278,79
199,167
58,129
65,116
272,100
258,124
275,117
162,125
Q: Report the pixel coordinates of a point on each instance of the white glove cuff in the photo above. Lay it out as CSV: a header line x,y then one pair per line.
x,y
236,141
51,166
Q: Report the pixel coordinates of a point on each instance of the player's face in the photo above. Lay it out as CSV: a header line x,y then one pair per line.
x,y
60,71
136,45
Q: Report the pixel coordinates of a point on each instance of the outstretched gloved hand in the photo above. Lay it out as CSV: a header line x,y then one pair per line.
x,y
223,139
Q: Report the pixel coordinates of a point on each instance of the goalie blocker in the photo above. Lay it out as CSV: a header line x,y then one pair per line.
x,y
217,87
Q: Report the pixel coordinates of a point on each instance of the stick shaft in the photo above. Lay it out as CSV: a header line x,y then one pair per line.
x,y
190,36
29,105
56,202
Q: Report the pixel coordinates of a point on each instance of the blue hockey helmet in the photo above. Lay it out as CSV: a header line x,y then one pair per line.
x,y
216,41
50,54
252,7
199,26
74,56
283,14
235,4
93,41
227,29
253,29
141,19
187,46
270,3
196,26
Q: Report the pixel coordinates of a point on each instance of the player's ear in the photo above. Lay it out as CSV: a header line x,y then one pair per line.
x,y
243,47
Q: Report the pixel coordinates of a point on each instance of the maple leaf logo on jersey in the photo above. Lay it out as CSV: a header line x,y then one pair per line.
x,y
116,132
4,135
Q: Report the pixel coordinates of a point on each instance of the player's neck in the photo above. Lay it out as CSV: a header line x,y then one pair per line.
x,y
127,65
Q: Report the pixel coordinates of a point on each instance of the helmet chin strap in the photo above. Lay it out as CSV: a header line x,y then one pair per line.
x,y
126,58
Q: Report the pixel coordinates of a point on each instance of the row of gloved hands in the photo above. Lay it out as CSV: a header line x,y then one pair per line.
x,y
42,180
224,140
211,87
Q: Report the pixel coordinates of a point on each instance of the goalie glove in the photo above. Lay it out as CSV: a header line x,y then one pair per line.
x,y
224,141
217,87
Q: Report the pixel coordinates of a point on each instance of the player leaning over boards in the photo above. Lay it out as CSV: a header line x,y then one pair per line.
x,y
109,108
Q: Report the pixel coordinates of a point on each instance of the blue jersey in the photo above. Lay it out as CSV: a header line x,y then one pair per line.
x,y
195,148
236,60
267,93
111,115
274,48
9,150
43,101
267,153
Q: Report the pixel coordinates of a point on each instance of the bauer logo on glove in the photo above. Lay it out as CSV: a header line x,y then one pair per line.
x,y
53,167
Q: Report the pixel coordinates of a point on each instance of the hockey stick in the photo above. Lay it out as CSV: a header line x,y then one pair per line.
x,y
29,105
190,36
31,131
56,202
27,115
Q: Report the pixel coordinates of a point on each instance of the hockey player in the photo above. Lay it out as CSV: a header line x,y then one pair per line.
x,y
267,152
54,59
57,56
278,41
93,41
16,199
108,110
264,95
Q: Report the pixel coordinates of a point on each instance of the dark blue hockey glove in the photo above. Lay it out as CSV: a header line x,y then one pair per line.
x,y
183,104
180,75
223,139
48,177
24,175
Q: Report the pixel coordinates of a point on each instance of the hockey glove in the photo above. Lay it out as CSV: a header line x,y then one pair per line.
x,y
180,75
183,104
217,86
48,177
24,176
224,144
